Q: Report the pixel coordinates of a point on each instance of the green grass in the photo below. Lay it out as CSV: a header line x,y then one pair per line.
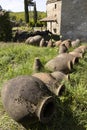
x,y
20,15
71,108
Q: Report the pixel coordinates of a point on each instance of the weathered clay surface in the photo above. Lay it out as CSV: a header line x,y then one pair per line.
x,y
76,54
62,49
75,43
69,57
37,65
42,43
59,64
59,76
58,43
53,85
24,96
83,48
35,40
79,50
67,43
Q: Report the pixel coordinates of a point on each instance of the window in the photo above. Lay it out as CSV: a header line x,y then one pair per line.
x,y
55,30
55,6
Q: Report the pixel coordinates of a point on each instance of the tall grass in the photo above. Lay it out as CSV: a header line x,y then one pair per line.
x,y
71,108
18,59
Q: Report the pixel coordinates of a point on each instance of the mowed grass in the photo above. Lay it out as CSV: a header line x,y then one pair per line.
x,y
71,108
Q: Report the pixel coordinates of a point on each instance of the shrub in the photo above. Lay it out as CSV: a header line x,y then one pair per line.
x,y
5,26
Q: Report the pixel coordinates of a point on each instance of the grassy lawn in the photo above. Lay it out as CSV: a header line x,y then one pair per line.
x,y
71,107
20,15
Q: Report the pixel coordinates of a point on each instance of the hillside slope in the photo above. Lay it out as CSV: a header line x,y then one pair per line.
x,y
71,114
20,15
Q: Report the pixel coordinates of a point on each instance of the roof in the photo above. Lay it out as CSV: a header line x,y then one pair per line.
x,y
52,1
49,19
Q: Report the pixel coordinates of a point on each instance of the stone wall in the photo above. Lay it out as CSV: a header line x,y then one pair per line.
x,y
54,10
74,19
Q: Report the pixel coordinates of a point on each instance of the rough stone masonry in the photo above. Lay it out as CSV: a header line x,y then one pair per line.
x,y
74,19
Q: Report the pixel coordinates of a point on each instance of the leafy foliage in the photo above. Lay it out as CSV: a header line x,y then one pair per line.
x,y
20,16
5,26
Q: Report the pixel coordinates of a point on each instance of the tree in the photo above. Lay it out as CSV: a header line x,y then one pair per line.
x,y
30,3
35,13
26,11
5,26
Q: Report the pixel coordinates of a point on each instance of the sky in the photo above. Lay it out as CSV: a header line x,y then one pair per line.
x,y
18,5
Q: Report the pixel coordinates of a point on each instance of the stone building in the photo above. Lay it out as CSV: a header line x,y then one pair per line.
x,y
68,18
54,14
74,19
53,18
